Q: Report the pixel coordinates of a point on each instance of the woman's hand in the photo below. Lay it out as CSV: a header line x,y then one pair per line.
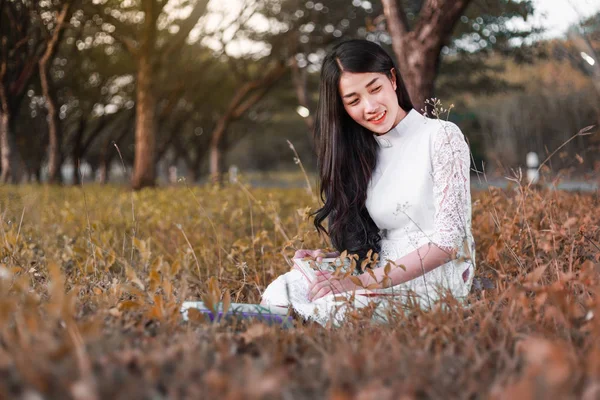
x,y
326,284
317,255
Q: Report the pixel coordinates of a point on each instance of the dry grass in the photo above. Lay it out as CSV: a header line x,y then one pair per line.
x,y
89,302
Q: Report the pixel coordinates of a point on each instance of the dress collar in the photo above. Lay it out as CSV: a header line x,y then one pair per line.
x,y
406,125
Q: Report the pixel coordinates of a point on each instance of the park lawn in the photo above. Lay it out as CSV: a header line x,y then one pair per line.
x,y
91,279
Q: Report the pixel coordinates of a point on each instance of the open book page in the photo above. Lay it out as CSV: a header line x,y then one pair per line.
x,y
308,267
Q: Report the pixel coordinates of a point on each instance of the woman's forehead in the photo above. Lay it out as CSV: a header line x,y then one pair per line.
x,y
351,82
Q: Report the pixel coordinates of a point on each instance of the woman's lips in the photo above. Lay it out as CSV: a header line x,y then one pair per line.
x,y
379,118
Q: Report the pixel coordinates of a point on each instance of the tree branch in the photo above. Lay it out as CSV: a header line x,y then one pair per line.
x,y
396,17
56,35
127,42
265,85
126,35
396,26
185,27
437,20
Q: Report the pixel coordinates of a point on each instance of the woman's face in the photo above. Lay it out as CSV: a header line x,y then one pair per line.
x,y
370,99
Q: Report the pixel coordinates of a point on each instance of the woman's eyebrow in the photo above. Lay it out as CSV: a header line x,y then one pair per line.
x,y
368,84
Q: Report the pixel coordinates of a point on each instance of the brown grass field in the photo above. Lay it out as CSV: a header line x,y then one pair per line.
x,y
91,280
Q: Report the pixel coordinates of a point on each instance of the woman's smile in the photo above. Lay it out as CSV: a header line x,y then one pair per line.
x,y
379,118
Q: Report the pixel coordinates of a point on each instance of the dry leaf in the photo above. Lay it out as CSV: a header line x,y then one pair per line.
x,y
356,281
254,332
535,275
133,278
492,255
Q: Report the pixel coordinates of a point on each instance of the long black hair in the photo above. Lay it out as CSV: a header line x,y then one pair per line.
x,y
347,151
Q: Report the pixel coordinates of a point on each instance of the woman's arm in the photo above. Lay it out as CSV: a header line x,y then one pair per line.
x,y
414,264
411,266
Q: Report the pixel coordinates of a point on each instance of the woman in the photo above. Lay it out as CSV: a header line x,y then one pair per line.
x,y
392,181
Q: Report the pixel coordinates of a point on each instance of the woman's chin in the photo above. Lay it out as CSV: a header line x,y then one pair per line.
x,y
379,129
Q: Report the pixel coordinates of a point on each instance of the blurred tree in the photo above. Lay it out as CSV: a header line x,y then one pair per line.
x,y
420,29
142,28
315,26
253,74
31,33
21,46
93,80
586,39
246,96
53,28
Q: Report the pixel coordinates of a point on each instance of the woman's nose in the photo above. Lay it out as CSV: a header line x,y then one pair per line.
x,y
370,106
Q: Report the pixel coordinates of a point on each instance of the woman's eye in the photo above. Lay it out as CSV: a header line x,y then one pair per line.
x,y
377,89
353,103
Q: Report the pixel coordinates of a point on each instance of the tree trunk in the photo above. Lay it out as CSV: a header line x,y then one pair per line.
x,y
299,79
182,153
108,152
191,175
144,169
36,175
76,152
54,138
5,143
215,163
105,160
5,146
419,71
418,50
54,153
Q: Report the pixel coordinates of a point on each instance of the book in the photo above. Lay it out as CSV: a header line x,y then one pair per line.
x,y
308,267
271,315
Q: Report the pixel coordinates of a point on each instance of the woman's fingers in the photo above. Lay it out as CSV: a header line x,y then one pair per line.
x,y
331,254
322,292
302,253
324,274
309,253
315,288
323,285
317,254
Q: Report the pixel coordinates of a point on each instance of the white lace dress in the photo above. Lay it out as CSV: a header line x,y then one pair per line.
x,y
419,194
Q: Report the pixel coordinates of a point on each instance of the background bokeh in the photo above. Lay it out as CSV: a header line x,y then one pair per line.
x,y
149,91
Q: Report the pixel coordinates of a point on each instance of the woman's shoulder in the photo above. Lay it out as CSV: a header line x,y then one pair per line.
x,y
438,126
442,131
434,127
448,141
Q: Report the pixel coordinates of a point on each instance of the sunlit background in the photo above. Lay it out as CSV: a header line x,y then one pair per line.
x,y
211,87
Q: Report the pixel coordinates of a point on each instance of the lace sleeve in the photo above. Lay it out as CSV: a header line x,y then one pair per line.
x,y
451,187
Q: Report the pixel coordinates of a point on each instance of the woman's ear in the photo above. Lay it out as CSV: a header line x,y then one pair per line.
x,y
393,78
